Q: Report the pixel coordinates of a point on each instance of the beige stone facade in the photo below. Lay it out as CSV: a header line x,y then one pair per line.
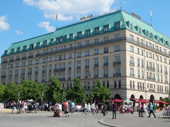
x,y
119,59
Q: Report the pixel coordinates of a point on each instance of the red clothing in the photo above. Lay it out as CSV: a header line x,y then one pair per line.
x,y
64,104
114,106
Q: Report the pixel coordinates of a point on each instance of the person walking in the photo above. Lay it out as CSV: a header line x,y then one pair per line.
x,y
93,107
145,109
60,108
66,110
14,107
88,107
103,109
18,107
140,110
85,108
114,110
151,110
97,108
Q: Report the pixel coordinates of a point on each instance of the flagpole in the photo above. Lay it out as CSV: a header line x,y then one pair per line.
x,y
151,20
56,19
56,24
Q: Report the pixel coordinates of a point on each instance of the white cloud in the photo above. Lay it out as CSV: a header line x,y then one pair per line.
x,y
46,26
4,25
18,32
70,9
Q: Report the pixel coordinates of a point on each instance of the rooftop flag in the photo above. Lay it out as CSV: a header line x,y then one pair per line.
x,y
151,12
56,16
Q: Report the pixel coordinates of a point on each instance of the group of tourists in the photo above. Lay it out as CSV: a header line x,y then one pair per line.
x,y
90,108
19,107
143,110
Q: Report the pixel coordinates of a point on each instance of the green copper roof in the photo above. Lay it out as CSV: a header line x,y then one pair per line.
x,y
98,22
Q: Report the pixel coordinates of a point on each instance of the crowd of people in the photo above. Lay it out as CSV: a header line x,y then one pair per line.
x,y
19,107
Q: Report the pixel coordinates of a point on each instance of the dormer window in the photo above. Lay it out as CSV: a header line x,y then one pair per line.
x,y
117,26
52,41
146,33
149,35
45,43
25,48
61,39
65,38
31,46
139,30
12,50
158,39
88,33
79,35
5,52
106,28
131,26
96,30
56,40
18,49
71,36
38,44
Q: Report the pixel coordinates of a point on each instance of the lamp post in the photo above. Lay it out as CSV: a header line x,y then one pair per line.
x,y
18,95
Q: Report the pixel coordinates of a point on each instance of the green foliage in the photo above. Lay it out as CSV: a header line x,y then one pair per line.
x,y
29,90
11,92
2,91
54,91
77,92
100,92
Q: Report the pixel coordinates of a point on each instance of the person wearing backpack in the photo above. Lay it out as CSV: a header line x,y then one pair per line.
x,y
151,110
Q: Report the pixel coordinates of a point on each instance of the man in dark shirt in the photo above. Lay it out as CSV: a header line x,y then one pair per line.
x,y
114,110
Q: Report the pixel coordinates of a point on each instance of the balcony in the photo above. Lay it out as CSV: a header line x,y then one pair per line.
x,y
116,63
95,76
23,58
150,78
79,67
31,56
86,66
3,76
95,65
105,64
166,73
29,73
105,75
132,63
116,74
150,68
132,75
11,60
17,59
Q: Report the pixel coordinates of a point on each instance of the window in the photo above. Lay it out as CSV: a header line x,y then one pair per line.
x,y
30,62
139,30
23,63
78,74
138,51
131,60
71,36
52,41
38,44
79,54
105,72
61,39
69,66
164,60
64,57
105,39
25,48
115,84
87,53
96,30
96,62
137,40
60,57
79,45
117,48
51,50
117,26
106,50
150,55
70,46
44,60
164,51
142,52
138,63
18,49
44,52
12,50
17,64
79,34
61,48
131,48
142,75
96,41
131,72
117,37
70,55
142,63
88,33
106,28
131,38
119,83
56,58
138,73
45,43
96,51
87,63
117,59
96,72
117,71
131,26
105,61
160,59
87,43
31,46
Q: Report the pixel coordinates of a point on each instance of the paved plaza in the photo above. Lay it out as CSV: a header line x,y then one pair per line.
x,y
78,119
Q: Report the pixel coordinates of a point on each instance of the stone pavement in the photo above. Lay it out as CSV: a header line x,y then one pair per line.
x,y
132,120
45,119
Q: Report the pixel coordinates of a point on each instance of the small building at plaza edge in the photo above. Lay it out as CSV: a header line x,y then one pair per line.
x,y
128,55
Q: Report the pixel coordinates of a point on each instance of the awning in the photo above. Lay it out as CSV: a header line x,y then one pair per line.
x,y
163,102
128,101
117,100
142,101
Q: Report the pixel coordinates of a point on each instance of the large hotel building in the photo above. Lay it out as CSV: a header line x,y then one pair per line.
x,y
125,53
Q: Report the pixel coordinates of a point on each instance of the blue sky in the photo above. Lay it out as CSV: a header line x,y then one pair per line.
x,y
23,19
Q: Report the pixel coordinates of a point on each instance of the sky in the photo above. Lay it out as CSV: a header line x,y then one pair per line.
x,y
24,19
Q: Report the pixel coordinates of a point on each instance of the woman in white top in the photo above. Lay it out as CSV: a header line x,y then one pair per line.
x,y
60,108
88,107
145,109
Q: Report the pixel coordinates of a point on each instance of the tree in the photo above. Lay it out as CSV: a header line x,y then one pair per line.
x,y
77,92
29,90
54,92
100,92
11,92
2,91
